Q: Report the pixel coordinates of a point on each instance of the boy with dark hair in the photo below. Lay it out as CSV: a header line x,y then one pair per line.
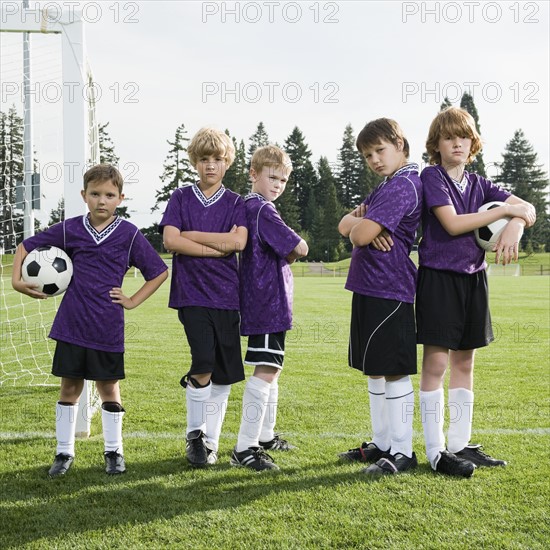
x,y
89,325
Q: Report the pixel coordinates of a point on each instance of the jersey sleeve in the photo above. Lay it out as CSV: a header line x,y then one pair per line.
x,y
435,190
143,256
53,236
239,213
274,232
492,191
173,215
397,199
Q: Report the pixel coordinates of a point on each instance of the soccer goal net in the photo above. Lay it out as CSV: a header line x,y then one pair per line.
x,y
48,137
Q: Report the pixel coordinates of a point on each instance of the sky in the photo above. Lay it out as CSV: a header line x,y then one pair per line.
x,y
312,64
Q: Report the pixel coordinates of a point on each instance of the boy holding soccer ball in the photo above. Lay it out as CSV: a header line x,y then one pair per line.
x,y
452,306
204,226
382,278
89,324
266,306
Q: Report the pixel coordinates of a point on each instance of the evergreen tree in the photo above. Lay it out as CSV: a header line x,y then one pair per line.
x,y
521,174
477,165
11,176
303,178
354,180
106,146
57,214
258,139
236,178
177,169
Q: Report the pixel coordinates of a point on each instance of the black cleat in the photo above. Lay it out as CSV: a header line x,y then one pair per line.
x,y
391,465
368,452
114,463
254,458
195,449
453,465
277,444
61,465
473,454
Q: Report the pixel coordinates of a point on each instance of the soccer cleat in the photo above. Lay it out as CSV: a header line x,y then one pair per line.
x,y
254,458
453,465
277,444
114,463
61,465
473,453
195,449
368,452
211,456
391,465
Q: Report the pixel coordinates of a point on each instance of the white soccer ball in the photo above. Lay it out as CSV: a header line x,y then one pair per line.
x,y
488,235
50,268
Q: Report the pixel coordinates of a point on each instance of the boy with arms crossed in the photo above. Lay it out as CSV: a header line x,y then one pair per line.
x,y
452,305
382,279
89,325
204,225
266,306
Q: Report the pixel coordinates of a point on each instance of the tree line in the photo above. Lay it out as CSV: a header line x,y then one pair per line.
x,y
318,193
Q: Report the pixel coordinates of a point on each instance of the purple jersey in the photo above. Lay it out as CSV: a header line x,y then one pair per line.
x,y
438,249
395,204
266,278
200,281
87,317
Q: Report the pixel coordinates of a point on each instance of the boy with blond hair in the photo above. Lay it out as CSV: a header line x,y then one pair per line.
x,y
204,226
266,306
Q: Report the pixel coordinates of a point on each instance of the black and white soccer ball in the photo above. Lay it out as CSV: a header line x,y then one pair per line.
x,y
488,235
50,268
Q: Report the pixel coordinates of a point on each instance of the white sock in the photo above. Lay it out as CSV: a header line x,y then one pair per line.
x,y
400,404
379,413
65,428
461,410
215,410
432,412
112,430
268,426
255,396
197,399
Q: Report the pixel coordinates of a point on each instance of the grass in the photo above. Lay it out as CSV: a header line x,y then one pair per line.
x,y
313,501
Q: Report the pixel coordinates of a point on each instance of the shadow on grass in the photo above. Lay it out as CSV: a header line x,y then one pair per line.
x,y
42,508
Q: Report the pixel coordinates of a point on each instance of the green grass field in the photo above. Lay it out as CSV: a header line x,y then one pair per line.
x,y
313,501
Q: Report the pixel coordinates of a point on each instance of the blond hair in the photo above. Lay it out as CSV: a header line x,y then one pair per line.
x,y
451,122
209,141
272,157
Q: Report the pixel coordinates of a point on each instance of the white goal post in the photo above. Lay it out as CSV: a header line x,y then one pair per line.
x,y
80,139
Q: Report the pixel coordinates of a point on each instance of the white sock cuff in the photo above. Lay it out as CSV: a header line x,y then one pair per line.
x,y
461,395
256,384
199,394
220,390
377,386
396,389
433,396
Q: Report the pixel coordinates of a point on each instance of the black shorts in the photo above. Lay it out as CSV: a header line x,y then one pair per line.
x,y
215,342
382,337
72,361
452,309
266,349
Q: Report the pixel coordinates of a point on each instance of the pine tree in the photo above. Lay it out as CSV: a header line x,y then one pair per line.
x,y
258,139
521,174
177,169
11,176
354,180
236,178
57,214
477,165
106,146
303,178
